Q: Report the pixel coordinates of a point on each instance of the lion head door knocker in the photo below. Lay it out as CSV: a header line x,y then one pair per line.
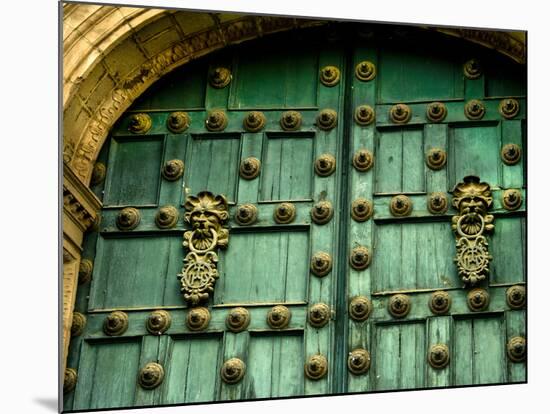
x,y
206,213
471,225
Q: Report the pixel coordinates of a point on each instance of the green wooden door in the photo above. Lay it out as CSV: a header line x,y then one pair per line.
x,y
314,247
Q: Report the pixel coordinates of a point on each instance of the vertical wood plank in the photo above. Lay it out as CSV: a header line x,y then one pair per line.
x,y
439,332
435,136
236,346
516,326
512,175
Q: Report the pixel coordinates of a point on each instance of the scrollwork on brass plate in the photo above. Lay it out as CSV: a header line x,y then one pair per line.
x,y
172,170
322,212
178,122
237,319
216,121
330,76
436,111
284,213
516,297
474,109
233,370
510,154
478,299
400,206
321,264
438,356
167,217
358,361
440,302
197,319
516,348
327,119
128,218
319,315
508,108
364,115
325,165
360,258
78,325
291,121
360,308
116,323
250,168
436,158
151,376
158,322
399,305
279,317
511,199
246,214
437,203
206,213
85,271
472,69
363,160
220,77
140,123
316,367
400,114
365,71
361,209
472,199
69,380
254,121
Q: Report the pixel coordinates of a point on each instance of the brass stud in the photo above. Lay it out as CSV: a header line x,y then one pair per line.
x,y
472,69
158,322
360,258
98,173
279,317
400,114
325,165
360,308
516,348
216,121
321,264
509,108
436,158
220,77
237,319
327,119
250,168
474,109
437,203
440,302
128,218
401,206
178,122
512,199
233,370
246,214
319,315
322,212
316,367
399,305
197,319
78,324
85,271
254,121
291,121
69,380
358,361
330,76
478,299
438,356
284,213
364,115
361,210
363,160
166,217
116,323
140,123
510,154
151,376
436,111
516,297
172,170
365,71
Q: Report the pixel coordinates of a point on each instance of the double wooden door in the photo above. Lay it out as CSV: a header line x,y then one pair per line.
x,y
324,161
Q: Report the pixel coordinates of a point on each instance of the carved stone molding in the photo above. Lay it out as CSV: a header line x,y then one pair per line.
x,y
472,199
358,361
319,315
206,213
316,367
198,318
158,322
80,207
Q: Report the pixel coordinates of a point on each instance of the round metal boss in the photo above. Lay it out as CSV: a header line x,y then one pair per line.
x,y
197,319
158,322
327,119
360,308
172,170
330,76
508,108
279,317
69,380
511,199
358,361
216,121
319,315
140,123
400,206
250,168
78,325
364,115
436,111
360,258
436,158
85,270
472,69
237,319
316,367
474,109
510,154
284,213
437,203
399,305
440,302
325,165
365,71
361,209
151,376
400,114
516,297
291,121
220,77
167,217
438,356
128,218
516,348
322,212
478,299
233,370
246,214
178,122
321,264
116,323
363,160
254,121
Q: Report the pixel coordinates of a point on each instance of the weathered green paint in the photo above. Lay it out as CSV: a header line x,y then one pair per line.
x,y
268,263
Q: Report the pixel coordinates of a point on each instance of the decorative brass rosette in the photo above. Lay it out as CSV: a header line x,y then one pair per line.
x,y
437,203
360,258
233,370
365,71
440,302
361,209
478,299
216,121
436,158
279,317
254,121
316,367
246,214
364,115
327,119
172,170
516,348
325,165
474,109
158,322
291,121
330,76
508,108
78,325
167,217
140,123
319,315
360,308
401,206
400,114
197,319
510,154
220,77
284,213
399,305
237,319
436,111
85,271
358,361
178,122
363,160
516,297
472,69
128,218
512,199
438,356
116,323
250,168
322,212
321,264
151,376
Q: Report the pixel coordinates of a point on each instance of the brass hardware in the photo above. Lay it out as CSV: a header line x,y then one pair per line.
x,y
508,108
158,322
472,199
254,121
319,315
327,119
361,209
330,76
216,121
178,122
279,317
172,170
437,203
116,323
151,376
98,173
325,165
472,69
128,218
207,214
220,77
365,71
510,154
321,264
360,258
322,212
78,325
516,297
363,160
399,305
167,217
360,308
316,367
69,380
233,370
250,168
237,319
516,348
436,158
284,213
400,114
246,214
197,319
511,199
358,361
85,271
440,302
364,115
438,356
140,123
436,111
401,206
474,109
291,120
478,299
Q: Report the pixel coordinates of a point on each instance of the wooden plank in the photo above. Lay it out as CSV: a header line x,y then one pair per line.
x,y
235,346
150,352
462,358
489,351
516,325
251,146
389,161
439,332
507,246
413,177
170,191
512,175
435,136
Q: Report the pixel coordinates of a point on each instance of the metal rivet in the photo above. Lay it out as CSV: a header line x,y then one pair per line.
x,y
69,380
151,376
233,370
128,218
216,120
400,114
437,203
508,108
237,319
330,76
360,308
158,322
438,356
516,297
197,319
173,170
478,299
361,210
512,199
319,315
399,305
322,212
436,111
166,217
440,302
316,367
140,123
116,323
472,69
291,121
284,213
359,361
254,121
325,165
220,77
321,264
327,119
364,115
178,122
510,154
360,258
246,214
516,348
401,206
279,317
365,71
363,160
474,109
85,271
